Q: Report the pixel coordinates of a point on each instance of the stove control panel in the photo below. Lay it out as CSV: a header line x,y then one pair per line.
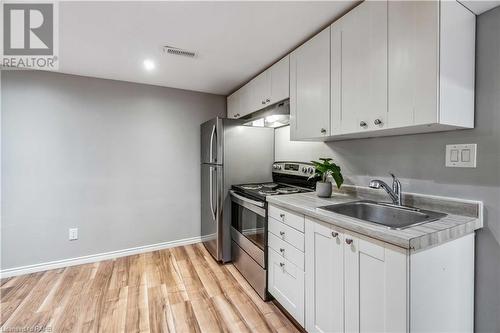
x,y
294,168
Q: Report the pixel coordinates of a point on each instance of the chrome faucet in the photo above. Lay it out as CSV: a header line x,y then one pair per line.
x,y
394,192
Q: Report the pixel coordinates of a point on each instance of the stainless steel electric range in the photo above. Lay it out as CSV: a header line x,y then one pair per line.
x,y
249,218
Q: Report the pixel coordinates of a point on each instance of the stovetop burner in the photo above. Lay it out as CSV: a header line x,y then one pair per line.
x,y
268,192
270,185
288,190
251,187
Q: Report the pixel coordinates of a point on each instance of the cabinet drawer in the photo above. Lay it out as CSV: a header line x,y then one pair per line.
x,y
286,250
286,233
294,220
286,284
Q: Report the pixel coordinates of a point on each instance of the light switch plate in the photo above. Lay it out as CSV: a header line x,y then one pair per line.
x,y
461,156
73,234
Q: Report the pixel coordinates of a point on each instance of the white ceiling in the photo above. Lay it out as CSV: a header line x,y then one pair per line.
x,y
480,6
234,40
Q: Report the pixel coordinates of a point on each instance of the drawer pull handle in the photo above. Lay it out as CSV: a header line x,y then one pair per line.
x,y
348,241
282,264
335,234
282,250
377,122
282,233
282,216
363,123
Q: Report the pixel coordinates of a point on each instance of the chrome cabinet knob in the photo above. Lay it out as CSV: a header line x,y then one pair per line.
x,y
363,124
282,250
323,131
282,215
304,169
268,100
236,115
335,234
377,122
282,233
282,264
348,241
263,102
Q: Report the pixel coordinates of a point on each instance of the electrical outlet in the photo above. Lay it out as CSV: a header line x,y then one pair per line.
x,y
73,234
461,156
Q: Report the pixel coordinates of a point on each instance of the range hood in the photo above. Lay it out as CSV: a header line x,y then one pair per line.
x,y
276,115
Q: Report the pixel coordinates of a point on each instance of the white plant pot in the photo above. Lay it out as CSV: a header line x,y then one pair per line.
x,y
324,189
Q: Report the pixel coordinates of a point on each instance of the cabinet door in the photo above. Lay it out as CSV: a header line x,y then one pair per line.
x,y
280,80
246,100
364,67
286,284
261,87
310,88
375,287
413,62
233,104
324,278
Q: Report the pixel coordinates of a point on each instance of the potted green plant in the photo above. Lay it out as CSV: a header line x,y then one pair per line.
x,y
323,169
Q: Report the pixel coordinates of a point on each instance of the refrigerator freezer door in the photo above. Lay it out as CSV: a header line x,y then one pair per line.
x,y
211,141
211,215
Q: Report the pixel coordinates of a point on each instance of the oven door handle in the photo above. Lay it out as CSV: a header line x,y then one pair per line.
x,y
245,199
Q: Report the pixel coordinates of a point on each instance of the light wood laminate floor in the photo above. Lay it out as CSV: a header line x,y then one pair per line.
x,y
175,290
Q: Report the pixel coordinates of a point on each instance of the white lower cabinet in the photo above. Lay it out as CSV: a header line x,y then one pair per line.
x,y
333,280
375,298
286,284
324,279
285,275
353,284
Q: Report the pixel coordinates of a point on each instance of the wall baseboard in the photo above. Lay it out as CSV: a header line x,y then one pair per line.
x,y
21,270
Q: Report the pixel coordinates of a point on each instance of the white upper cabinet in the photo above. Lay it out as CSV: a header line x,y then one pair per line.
x,y
400,67
310,88
239,103
384,68
431,65
261,91
413,62
359,57
234,105
280,80
267,88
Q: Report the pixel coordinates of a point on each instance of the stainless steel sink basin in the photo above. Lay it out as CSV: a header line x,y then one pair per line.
x,y
391,216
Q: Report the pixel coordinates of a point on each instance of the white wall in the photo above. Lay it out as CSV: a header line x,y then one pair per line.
x,y
300,151
120,161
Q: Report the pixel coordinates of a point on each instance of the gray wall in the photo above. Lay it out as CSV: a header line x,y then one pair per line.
x,y
120,161
419,161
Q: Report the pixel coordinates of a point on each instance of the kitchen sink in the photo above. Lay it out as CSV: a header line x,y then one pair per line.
x,y
389,215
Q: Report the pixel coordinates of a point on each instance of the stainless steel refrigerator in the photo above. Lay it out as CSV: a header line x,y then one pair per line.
x,y
230,154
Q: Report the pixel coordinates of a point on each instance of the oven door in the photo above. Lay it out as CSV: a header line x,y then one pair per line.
x,y
249,227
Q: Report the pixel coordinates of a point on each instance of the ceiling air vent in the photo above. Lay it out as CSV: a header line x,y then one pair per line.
x,y
177,51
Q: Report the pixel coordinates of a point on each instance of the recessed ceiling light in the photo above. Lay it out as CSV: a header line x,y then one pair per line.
x,y
149,64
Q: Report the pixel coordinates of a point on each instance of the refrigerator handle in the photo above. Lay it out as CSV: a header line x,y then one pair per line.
x,y
212,144
211,181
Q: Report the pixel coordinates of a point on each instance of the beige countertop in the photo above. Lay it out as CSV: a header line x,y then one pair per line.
x,y
464,216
